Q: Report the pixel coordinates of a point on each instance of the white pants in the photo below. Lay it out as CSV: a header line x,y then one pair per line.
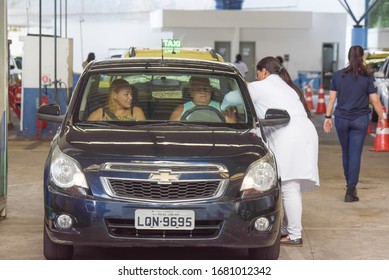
x,y
293,209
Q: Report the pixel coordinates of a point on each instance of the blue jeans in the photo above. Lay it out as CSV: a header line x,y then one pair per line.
x,y
352,134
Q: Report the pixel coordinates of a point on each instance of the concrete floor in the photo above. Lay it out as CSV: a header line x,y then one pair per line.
x,y
333,229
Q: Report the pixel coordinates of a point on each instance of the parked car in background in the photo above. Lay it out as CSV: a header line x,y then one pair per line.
x,y
375,59
382,80
198,181
19,62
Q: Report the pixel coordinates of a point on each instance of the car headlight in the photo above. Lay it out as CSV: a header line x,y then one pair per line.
x,y
261,175
65,171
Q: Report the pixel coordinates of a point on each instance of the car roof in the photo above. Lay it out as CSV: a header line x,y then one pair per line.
x,y
179,64
193,53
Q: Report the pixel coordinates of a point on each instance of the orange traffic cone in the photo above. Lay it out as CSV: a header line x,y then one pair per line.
x,y
321,105
308,97
381,141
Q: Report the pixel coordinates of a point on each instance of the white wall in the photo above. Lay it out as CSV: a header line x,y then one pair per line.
x,y
31,60
298,34
275,32
304,46
378,38
103,38
121,23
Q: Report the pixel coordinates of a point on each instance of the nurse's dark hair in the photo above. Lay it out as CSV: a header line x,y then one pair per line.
x,y
356,66
273,66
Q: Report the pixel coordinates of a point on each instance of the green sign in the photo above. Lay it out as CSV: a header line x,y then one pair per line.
x,y
171,43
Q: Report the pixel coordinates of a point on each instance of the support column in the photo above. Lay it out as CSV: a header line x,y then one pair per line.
x,y
4,65
358,36
235,43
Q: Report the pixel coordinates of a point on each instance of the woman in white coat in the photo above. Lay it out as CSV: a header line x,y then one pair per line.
x,y
294,145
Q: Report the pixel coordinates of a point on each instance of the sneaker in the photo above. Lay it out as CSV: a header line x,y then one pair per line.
x,y
351,196
289,242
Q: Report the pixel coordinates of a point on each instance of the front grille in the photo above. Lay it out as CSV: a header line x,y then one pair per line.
x,y
164,181
126,228
176,168
148,190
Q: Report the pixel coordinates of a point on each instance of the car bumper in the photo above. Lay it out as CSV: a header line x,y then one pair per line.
x,y
110,223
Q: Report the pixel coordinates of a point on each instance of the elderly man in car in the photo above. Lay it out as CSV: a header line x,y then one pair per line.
x,y
200,91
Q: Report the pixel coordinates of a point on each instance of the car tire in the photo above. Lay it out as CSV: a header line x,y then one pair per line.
x,y
266,253
54,251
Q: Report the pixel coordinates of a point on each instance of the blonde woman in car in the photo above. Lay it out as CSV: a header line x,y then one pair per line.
x,y
120,104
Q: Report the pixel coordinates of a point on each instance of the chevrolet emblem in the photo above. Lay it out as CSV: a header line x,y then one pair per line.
x,y
164,177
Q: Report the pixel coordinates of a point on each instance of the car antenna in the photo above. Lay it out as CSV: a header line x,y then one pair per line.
x,y
162,49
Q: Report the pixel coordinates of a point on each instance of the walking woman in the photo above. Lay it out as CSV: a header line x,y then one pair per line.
x,y
294,145
242,67
352,86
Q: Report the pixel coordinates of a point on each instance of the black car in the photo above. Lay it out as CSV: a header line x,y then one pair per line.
x,y
197,181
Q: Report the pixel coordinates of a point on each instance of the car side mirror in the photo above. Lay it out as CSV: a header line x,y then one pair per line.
x,y
379,74
50,112
275,117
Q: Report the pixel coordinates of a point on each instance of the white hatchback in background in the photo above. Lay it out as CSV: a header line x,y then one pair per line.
x,y
382,80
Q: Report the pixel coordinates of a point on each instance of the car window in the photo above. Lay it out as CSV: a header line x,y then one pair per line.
x,y
157,95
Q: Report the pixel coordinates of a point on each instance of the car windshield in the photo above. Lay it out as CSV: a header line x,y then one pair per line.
x,y
163,97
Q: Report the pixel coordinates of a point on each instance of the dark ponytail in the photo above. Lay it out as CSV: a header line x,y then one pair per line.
x,y
356,66
273,66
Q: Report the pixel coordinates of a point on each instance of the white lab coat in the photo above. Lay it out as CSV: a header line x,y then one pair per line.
x,y
295,145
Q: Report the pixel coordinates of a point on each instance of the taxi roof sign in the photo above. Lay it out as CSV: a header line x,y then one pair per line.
x,y
191,53
171,43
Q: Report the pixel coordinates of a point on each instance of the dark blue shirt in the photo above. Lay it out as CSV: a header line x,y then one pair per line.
x,y
352,94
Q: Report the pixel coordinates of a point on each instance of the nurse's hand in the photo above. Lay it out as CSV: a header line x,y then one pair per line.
x,y
230,115
327,125
382,122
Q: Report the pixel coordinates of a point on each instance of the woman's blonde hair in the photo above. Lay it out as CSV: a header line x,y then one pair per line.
x,y
115,87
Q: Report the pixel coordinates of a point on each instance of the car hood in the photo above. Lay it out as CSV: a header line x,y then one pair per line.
x,y
161,143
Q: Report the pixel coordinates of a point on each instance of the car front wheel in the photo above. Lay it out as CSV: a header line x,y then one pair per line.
x,y
54,251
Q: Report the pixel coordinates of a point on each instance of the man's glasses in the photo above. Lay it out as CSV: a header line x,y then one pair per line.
x,y
200,89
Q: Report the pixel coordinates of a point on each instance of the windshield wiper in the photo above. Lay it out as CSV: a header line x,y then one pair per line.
x,y
169,124
174,123
97,124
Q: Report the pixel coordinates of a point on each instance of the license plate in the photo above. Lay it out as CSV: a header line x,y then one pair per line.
x,y
164,219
